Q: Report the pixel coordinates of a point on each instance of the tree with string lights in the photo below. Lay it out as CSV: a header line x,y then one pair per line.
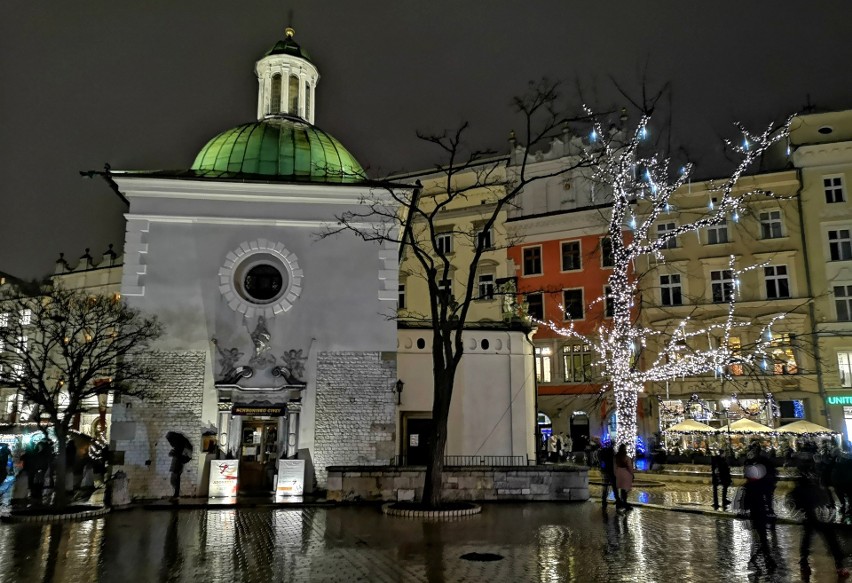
x,y
630,355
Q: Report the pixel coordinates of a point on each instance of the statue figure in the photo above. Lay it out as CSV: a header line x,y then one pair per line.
x,y
262,350
228,361
294,369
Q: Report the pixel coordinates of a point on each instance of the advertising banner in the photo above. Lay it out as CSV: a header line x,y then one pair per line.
x,y
223,478
291,478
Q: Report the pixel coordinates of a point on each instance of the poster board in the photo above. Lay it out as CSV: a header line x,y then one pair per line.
x,y
224,476
291,478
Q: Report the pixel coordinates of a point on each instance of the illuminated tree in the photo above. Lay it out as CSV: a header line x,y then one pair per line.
x,y
62,349
629,355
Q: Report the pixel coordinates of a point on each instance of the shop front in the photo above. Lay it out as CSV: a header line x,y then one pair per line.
x,y
838,407
257,435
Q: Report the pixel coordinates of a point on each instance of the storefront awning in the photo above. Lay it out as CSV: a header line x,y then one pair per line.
x,y
690,426
747,426
803,427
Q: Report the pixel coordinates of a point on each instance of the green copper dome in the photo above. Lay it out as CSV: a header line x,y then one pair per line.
x,y
280,148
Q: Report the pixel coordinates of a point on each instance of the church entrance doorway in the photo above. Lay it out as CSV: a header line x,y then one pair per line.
x,y
258,454
579,426
417,434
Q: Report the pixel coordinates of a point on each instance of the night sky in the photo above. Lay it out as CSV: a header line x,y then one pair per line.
x,y
143,85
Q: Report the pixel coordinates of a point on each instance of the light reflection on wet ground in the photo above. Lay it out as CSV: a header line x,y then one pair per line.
x,y
542,542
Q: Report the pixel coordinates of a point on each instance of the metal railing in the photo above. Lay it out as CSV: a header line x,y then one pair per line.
x,y
467,460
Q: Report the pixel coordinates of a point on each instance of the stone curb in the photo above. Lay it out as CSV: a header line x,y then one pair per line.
x,y
436,514
55,518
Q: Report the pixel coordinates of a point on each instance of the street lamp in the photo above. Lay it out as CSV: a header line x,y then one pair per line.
x,y
397,388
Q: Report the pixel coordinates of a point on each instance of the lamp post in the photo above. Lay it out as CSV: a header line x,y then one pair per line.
x,y
726,405
397,388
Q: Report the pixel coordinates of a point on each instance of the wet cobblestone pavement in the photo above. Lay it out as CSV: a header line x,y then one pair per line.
x,y
544,542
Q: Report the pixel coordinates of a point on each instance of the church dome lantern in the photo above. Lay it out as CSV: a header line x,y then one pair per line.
x,y
287,81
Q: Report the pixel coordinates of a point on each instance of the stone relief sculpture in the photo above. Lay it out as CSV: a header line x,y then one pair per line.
x,y
293,370
228,358
261,338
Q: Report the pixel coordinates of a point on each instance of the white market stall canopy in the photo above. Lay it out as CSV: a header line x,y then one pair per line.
x,y
690,426
803,427
747,426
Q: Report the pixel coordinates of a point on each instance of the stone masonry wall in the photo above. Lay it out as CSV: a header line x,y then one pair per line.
x,y
355,410
387,484
139,426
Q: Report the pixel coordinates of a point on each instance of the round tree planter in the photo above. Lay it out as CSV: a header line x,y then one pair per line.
x,y
47,518
408,510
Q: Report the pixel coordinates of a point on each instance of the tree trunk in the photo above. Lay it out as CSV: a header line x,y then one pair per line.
x,y
437,445
626,399
60,499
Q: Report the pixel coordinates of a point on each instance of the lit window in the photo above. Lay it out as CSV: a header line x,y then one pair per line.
x,y
663,229
783,355
843,302
771,225
833,187
484,239
401,300
22,344
572,300
735,346
777,283
486,286
607,258
444,243
718,233
722,285
4,319
844,368
26,317
840,245
535,306
571,256
275,94
577,362
294,95
543,364
532,261
670,290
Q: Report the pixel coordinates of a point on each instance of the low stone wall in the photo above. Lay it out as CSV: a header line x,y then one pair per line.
x,y
392,483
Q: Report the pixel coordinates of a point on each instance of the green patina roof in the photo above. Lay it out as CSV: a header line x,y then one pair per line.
x,y
289,47
279,147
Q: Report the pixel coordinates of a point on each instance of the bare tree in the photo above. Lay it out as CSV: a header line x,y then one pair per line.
x,y
410,217
64,348
643,187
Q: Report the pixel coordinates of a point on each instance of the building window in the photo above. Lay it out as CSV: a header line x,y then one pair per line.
x,y
783,355
577,362
445,289
572,300
607,258
26,317
486,286
294,95
777,283
401,300
670,290
4,319
543,364
840,245
307,101
771,225
792,410
444,243
844,368
664,229
843,302
275,94
22,344
571,256
718,233
735,347
484,239
532,261
609,302
722,285
833,187
535,306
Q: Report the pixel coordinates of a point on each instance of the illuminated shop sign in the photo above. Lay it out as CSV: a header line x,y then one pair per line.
x,y
839,400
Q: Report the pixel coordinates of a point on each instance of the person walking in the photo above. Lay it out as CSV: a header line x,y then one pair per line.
x,y
808,496
606,460
754,506
624,475
720,472
179,459
569,447
4,462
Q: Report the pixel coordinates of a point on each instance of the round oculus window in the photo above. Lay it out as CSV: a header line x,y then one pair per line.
x,y
263,282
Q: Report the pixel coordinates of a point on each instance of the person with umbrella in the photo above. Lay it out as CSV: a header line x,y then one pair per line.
x,y
181,447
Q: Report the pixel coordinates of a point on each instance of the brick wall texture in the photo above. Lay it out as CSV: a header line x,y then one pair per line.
x,y
173,405
355,410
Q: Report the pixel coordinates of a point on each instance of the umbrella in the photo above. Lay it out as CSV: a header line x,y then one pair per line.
x,y
802,427
748,426
178,441
690,426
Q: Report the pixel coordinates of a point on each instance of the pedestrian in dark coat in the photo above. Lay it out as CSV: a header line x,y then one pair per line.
x,y
4,462
720,472
808,496
179,460
606,459
754,506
